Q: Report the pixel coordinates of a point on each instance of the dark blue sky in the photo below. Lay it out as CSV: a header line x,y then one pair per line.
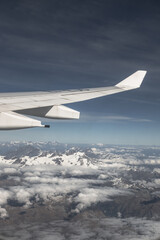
x,y
51,45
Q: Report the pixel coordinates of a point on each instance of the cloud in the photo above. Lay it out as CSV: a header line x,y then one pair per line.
x,y
3,213
22,194
10,170
156,170
87,228
112,118
46,183
4,196
90,196
118,168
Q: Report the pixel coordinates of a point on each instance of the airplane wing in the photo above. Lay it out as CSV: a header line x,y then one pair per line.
x,y
50,104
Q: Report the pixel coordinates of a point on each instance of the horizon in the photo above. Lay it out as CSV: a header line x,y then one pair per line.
x,y
80,143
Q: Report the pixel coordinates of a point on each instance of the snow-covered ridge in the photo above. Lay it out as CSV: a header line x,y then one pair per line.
x,y
76,159
29,153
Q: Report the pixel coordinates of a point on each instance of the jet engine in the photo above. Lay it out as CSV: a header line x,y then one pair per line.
x,y
12,120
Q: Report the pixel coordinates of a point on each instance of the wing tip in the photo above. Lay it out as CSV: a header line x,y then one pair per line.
x,y
133,81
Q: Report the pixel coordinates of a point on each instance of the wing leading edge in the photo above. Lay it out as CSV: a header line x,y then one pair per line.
x,y
49,104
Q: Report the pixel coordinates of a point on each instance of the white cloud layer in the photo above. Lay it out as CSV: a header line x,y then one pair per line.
x,y
89,196
92,228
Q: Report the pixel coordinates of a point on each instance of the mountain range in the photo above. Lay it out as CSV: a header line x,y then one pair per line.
x,y
49,182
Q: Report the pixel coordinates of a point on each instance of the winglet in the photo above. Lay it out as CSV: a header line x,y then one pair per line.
x,y
133,81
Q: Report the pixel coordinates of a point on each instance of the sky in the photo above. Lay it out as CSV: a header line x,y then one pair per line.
x,y
56,45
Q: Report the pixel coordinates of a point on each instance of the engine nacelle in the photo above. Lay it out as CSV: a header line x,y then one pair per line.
x,y
12,120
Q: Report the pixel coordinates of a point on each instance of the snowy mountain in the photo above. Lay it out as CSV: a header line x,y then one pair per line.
x,y
41,182
28,154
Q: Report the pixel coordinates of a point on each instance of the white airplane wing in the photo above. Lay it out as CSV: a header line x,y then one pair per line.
x,y
50,104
